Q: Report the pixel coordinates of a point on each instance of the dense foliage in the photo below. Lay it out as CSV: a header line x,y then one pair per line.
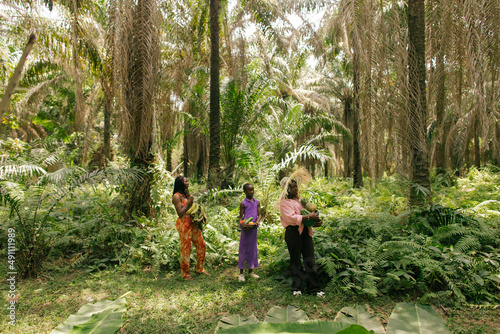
x,y
369,244
111,101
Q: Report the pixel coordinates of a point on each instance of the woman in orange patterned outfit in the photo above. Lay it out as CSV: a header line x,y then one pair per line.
x,y
188,232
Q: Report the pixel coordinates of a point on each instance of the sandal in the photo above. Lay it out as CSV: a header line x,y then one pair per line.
x,y
188,278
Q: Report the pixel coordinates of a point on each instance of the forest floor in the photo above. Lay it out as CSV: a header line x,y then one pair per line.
x,y
167,304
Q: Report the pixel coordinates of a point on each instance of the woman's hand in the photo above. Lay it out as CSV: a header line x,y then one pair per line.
x,y
182,208
317,223
312,216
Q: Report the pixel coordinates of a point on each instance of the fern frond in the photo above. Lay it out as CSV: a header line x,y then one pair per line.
x,y
22,170
467,243
402,245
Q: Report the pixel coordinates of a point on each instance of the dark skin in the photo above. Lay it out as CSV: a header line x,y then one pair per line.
x,y
177,200
249,194
181,209
293,193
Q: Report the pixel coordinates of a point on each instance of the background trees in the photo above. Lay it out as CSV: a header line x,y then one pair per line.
x,y
114,84
101,82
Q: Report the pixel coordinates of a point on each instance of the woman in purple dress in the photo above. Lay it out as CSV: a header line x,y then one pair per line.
x,y
247,258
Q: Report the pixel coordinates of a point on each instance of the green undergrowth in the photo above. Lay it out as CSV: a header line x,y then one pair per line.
x,y
370,249
166,304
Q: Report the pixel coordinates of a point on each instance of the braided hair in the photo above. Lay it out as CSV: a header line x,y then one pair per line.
x,y
179,186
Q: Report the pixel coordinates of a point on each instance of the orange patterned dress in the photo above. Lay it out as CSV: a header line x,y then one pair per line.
x,y
189,232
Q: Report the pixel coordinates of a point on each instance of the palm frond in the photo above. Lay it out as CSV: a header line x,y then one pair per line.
x,y
306,151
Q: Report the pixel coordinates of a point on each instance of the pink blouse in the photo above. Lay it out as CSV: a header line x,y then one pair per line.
x,y
290,214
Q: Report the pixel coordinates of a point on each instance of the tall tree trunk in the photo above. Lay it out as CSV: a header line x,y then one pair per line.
x,y
139,76
347,142
440,114
467,158
108,107
357,176
185,152
4,104
214,160
477,149
79,103
420,190
108,78
89,125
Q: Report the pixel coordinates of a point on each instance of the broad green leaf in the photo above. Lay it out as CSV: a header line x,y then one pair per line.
x,y
409,318
105,322
289,314
85,313
356,329
236,320
307,327
360,315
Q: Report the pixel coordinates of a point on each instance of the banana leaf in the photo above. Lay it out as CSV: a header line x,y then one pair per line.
x,y
316,326
409,318
289,314
355,329
360,315
105,322
236,320
110,311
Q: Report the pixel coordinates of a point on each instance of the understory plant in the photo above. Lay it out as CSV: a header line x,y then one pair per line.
x,y
33,206
440,254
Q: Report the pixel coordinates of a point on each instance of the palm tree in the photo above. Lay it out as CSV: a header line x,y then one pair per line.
x,y
419,192
184,81
343,27
139,54
214,164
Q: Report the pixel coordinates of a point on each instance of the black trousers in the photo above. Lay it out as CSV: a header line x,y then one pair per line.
x,y
301,245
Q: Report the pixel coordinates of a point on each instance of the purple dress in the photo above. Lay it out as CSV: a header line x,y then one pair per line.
x,y
247,258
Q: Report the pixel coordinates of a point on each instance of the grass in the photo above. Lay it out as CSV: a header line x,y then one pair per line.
x,y
167,304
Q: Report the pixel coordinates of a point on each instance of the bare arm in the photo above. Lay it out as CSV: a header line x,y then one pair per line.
x,y
177,202
259,214
242,210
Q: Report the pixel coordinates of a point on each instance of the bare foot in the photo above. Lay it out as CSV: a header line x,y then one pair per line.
x,y
204,272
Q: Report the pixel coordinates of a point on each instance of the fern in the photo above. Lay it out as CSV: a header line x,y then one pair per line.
x,y
8,171
402,246
32,209
467,243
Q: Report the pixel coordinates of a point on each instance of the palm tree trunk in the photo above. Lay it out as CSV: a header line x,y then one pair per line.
x,y
419,192
185,152
4,104
440,114
139,77
477,152
108,106
357,176
347,142
214,160
79,105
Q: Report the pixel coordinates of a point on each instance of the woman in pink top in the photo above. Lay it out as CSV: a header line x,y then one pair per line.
x,y
299,242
